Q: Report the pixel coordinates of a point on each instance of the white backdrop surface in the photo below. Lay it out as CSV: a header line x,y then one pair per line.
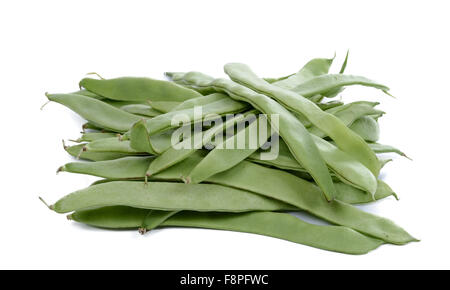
x,y
51,45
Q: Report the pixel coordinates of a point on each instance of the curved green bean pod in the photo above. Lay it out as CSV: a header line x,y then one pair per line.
x,y
167,196
315,67
179,78
346,168
278,225
344,64
306,196
349,194
276,184
290,128
283,226
96,111
138,89
324,84
381,148
346,140
348,114
367,128
349,106
124,168
111,217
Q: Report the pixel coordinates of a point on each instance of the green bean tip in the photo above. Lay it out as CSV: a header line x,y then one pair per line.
x,y
61,168
407,157
142,230
69,217
396,196
46,204
96,74
75,140
42,107
389,94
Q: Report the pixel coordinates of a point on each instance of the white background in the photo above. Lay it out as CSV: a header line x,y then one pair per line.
x,y
51,45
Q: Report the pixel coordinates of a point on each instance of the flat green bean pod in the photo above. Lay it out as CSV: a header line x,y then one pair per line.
x,y
323,84
113,145
178,77
138,89
315,67
336,110
124,168
381,148
276,184
167,196
96,111
282,226
346,140
347,169
278,225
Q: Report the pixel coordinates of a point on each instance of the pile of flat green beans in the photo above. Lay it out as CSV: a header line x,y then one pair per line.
x,y
328,158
